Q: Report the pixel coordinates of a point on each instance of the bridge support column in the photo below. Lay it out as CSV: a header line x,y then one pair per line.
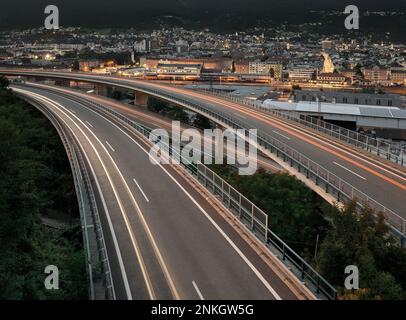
x,y
100,90
141,99
62,83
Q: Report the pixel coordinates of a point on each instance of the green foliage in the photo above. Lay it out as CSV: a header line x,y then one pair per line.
x,y
167,109
347,236
294,210
4,83
120,57
202,122
362,239
35,177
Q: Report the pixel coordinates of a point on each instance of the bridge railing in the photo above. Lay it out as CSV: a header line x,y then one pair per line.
x,y
375,146
336,186
257,222
248,213
97,265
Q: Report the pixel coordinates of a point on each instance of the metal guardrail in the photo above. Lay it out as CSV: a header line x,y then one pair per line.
x,y
95,257
103,260
342,190
257,222
248,213
375,146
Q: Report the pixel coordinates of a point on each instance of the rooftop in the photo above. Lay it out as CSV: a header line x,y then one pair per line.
x,y
338,108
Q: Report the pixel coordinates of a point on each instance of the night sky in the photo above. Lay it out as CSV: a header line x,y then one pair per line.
x,y
117,13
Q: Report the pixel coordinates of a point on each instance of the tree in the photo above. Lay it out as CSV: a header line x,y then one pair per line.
x,y
202,122
35,177
4,83
359,238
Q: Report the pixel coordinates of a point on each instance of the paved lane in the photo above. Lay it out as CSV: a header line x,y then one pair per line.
x,y
170,244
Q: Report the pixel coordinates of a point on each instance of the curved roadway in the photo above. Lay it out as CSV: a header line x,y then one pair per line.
x,y
164,239
378,179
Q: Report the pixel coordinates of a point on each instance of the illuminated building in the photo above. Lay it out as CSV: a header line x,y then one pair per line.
x,y
376,74
262,68
179,71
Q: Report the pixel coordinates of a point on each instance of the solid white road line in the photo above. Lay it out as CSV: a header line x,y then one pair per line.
x,y
356,174
117,249
312,135
146,198
217,227
197,290
280,134
154,245
137,251
109,145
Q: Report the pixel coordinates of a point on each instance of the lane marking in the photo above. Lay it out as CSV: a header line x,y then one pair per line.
x,y
111,227
139,114
197,290
72,111
285,127
280,134
269,120
241,109
216,226
354,173
139,187
141,215
109,145
89,124
135,245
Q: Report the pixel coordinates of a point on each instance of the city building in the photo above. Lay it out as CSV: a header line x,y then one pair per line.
x,y
88,65
398,76
331,78
179,71
347,97
268,68
328,65
376,75
301,74
241,67
326,45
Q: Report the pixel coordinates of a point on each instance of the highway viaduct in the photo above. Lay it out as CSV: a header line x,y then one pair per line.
x,y
334,170
166,237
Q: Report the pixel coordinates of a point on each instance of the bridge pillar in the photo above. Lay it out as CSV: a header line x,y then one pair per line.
x,y
100,90
62,83
141,99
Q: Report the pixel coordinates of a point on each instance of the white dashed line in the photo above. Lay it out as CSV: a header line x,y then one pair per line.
x,y
356,174
108,144
146,198
198,290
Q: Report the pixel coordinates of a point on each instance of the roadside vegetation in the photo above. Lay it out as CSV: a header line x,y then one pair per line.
x,y
298,216
327,237
36,184
177,113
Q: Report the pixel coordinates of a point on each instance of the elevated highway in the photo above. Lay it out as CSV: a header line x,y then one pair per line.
x,y
332,169
165,239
